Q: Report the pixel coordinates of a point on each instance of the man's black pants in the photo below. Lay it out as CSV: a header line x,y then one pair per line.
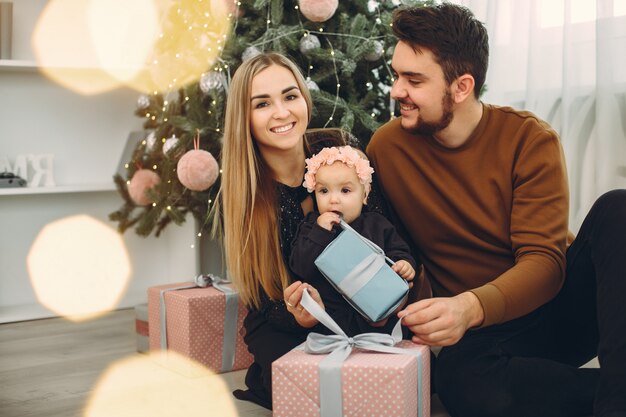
x,y
529,367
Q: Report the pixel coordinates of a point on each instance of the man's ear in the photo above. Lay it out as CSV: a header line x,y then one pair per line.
x,y
463,87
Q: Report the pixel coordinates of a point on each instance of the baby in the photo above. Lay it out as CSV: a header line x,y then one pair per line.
x,y
341,178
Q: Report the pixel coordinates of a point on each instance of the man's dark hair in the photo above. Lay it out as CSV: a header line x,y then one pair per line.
x,y
456,38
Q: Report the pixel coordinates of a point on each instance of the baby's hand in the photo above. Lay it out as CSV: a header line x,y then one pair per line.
x,y
326,220
405,270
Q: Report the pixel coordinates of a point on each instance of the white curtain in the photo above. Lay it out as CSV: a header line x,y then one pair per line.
x,y
565,60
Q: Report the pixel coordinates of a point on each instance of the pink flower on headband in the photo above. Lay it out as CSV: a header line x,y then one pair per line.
x,y
328,156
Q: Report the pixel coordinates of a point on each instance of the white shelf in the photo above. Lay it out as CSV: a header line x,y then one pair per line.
x,y
16,64
85,188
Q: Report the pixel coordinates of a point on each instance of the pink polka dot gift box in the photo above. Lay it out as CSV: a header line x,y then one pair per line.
x,y
356,379
372,384
204,324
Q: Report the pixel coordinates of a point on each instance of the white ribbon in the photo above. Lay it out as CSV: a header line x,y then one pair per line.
x,y
339,346
230,315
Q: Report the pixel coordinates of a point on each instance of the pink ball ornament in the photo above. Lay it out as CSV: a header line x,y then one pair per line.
x,y
142,181
231,7
197,170
318,10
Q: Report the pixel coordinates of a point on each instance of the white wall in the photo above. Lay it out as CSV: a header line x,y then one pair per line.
x,y
87,136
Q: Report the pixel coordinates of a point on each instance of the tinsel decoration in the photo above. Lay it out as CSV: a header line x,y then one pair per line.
x,y
309,42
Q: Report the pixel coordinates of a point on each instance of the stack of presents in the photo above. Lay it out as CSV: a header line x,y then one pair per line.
x,y
204,321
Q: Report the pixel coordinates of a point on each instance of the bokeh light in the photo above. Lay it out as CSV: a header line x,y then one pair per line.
x,y
122,34
64,51
192,36
92,46
159,385
79,267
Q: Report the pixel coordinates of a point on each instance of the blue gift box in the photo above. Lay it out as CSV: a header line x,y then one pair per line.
x,y
358,269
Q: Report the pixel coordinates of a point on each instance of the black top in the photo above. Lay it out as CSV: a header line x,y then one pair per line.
x,y
312,239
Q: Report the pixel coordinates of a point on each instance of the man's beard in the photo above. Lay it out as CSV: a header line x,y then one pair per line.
x,y
425,128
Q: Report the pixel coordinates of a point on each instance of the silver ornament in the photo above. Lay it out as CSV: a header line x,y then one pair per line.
x,y
372,5
249,52
308,43
150,141
377,52
311,85
169,144
143,102
211,81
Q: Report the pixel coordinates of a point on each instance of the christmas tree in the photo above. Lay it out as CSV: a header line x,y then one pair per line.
x,y
343,48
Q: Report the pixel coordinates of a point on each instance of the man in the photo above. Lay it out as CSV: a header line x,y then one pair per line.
x,y
481,192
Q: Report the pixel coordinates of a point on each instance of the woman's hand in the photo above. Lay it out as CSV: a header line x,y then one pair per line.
x,y
405,270
293,295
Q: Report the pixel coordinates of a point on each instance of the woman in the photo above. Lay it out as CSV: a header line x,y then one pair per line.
x,y
262,204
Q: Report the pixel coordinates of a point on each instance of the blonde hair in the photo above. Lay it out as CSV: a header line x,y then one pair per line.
x,y
248,197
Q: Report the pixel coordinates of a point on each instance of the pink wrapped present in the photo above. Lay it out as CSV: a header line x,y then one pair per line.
x,y
372,384
141,328
367,383
200,324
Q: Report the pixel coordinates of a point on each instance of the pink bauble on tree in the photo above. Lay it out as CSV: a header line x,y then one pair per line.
x,y
318,10
140,183
197,169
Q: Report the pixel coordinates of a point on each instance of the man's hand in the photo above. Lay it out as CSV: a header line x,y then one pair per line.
x,y
293,295
442,321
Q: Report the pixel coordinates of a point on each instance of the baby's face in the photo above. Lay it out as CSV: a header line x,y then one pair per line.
x,y
337,188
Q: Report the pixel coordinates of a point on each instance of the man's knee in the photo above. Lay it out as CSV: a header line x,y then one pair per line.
x,y
611,204
468,392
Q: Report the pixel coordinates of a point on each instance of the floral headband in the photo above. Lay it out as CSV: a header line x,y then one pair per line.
x,y
344,154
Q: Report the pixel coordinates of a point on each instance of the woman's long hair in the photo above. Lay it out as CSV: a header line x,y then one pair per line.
x,y
248,200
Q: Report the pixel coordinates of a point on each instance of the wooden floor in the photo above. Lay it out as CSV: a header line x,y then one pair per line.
x,y
48,367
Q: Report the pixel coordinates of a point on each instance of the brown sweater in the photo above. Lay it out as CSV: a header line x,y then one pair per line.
x,y
489,216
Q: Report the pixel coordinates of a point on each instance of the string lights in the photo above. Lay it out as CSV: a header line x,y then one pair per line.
x,y
305,32
337,65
